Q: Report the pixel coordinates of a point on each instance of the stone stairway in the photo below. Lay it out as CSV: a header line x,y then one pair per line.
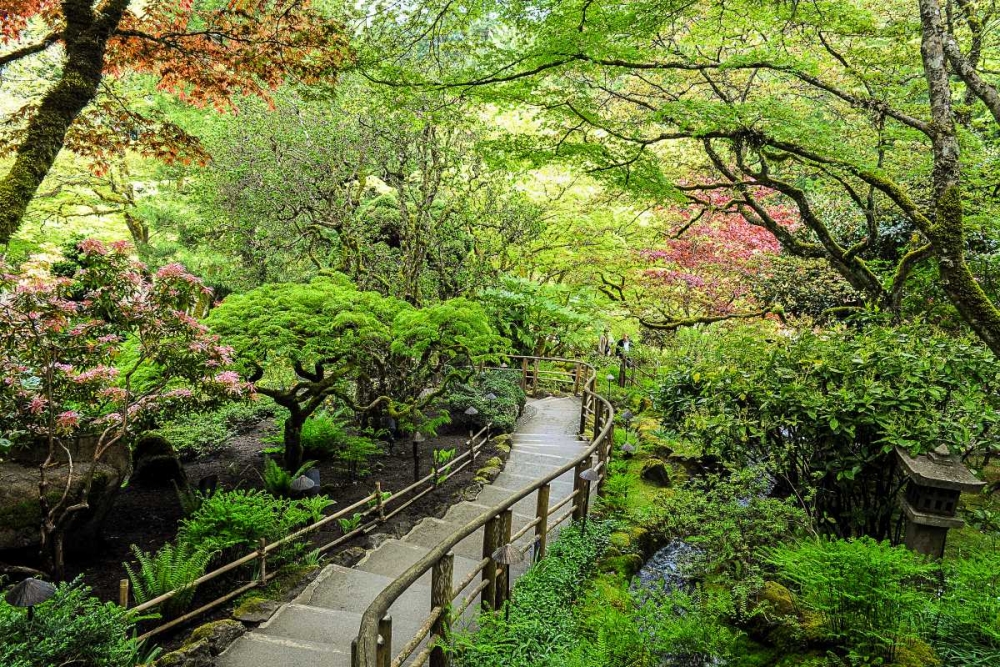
x,y
316,629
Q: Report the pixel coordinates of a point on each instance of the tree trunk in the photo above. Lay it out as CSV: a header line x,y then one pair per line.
x,y
86,38
293,440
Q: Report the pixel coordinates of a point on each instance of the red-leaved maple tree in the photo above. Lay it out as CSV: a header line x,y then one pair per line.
x,y
204,51
704,270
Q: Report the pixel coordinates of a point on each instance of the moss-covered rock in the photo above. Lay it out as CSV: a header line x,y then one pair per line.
x,y
218,635
625,565
655,472
779,600
196,654
916,653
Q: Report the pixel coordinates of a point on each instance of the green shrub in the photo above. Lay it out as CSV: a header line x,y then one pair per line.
x,y
323,435
502,413
541,622
355,453
73,628
199,433
650,629
824,411
173,567
872,597
231,523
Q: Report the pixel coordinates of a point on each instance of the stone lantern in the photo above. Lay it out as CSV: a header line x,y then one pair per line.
x,y
936,480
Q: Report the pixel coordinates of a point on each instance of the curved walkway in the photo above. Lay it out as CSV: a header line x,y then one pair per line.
x,y
316,629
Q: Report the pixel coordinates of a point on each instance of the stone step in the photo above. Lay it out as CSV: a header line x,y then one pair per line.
x,y
394,557
255,649
431,532
530,469
560,485
550,461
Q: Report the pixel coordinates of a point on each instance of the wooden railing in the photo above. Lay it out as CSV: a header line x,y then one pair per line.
x,y
373,647
374,508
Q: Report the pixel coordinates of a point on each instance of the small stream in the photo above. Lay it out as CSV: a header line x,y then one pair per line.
x,y
671,568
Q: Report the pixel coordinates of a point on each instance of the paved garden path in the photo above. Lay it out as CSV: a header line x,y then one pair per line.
x,y
316,629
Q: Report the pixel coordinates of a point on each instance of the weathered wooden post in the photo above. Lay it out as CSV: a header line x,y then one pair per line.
x,y
576,379
123,593
383,654
542,514
378,501
583,412
524,375
442,580
578,488
355,658
491,541
503,582
534,379
263,561
598,417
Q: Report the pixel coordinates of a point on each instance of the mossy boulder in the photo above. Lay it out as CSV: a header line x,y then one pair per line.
x,y
655,472
916,653
218,635
20,511
779,600
197,654
625,565
156,463
503,440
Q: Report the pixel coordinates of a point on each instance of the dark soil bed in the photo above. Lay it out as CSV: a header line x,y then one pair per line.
x,y
148,517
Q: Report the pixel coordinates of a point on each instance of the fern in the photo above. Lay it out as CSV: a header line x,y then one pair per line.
x,y
278,481
174,567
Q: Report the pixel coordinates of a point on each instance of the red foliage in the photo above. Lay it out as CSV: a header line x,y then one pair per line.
x,y
707,265
206,53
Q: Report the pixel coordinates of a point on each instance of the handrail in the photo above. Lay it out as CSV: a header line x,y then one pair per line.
x,y
368,649
375,506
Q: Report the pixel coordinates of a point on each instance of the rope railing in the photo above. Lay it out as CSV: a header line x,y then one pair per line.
x,y
373,645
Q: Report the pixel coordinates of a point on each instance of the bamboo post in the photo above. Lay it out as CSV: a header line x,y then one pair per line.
x,y
123,593
491,532
503,579
579,490
383,654
378,501
263,561
442,580
542,513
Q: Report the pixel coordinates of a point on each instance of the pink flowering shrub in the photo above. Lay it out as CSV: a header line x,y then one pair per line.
x,y
98,356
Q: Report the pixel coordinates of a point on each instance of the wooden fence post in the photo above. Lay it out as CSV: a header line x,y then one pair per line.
x,y
355,659
123,593
378,501
503,579
542,514
576,379
442,580
578,490
534,380
588,463
491,533
263,561
383,655
524,375
598,417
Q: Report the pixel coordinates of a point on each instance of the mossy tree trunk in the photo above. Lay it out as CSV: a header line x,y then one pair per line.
x,y
85,37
